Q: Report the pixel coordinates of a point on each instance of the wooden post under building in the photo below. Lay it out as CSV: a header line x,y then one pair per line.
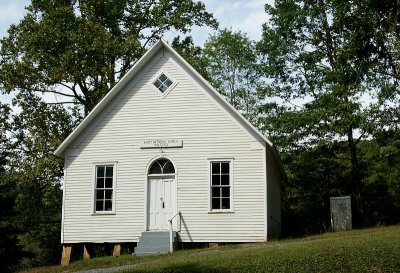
x,y
66,255
86,254
117,250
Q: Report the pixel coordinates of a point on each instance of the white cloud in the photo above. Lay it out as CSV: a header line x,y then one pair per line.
x,y
257,3
252,25
244,15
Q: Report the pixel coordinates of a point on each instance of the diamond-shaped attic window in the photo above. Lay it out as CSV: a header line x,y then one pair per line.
x,y
162,83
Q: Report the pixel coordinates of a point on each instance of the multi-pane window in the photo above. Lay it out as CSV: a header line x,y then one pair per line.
x,y
162,166
162,83
104,188
221,185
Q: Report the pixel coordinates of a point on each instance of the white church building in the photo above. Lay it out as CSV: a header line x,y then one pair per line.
x,y
162,151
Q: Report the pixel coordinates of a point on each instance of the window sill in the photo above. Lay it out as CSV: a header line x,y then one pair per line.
x,y
220,211
103,213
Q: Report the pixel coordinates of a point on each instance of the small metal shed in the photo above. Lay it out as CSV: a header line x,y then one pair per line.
x,y
341,217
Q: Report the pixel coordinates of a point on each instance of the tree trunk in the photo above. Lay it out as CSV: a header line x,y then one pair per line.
x,y
355,181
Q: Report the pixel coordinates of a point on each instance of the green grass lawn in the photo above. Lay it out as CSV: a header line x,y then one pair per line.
x,y
368,250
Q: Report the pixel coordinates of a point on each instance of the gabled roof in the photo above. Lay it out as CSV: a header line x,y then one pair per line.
x,y
161,44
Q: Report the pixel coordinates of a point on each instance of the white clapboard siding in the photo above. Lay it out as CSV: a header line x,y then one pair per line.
x,y
208,131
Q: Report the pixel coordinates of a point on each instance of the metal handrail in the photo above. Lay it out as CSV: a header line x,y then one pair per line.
x,y
171,229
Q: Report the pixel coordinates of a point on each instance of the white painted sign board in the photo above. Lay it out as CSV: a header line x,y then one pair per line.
x,y
161,143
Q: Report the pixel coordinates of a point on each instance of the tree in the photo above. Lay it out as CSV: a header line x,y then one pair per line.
x,y
324,57
80,49
232,67
314,174
380,161
34,174
10,250
192,54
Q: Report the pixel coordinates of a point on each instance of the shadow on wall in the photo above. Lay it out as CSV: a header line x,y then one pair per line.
x,y
186,228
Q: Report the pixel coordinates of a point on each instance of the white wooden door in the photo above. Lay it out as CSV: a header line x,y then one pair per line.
x,y
162,202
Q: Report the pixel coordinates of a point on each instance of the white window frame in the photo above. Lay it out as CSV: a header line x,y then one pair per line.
x,y
231,183
166,92
99,164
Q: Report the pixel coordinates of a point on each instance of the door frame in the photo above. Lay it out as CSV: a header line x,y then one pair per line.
x,y
146,187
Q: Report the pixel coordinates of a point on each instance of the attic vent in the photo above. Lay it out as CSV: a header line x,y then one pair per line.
x,y
162,83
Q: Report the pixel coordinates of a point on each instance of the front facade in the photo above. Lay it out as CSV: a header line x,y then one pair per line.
x,y
164,141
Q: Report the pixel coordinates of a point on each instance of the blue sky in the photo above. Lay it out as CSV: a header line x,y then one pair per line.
x,y
244,15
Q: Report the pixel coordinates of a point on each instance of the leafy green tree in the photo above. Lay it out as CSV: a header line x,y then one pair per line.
x,y
80,49
192,54
10,250
33,133
314,174
380,162
232,64
318,57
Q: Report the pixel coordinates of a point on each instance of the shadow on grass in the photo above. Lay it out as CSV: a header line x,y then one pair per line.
x,y
187,267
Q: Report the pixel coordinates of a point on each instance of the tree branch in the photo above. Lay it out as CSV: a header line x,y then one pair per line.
x,y
62,102
328,37
57,92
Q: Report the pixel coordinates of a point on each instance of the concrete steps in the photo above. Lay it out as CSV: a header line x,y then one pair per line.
x,y
154,242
